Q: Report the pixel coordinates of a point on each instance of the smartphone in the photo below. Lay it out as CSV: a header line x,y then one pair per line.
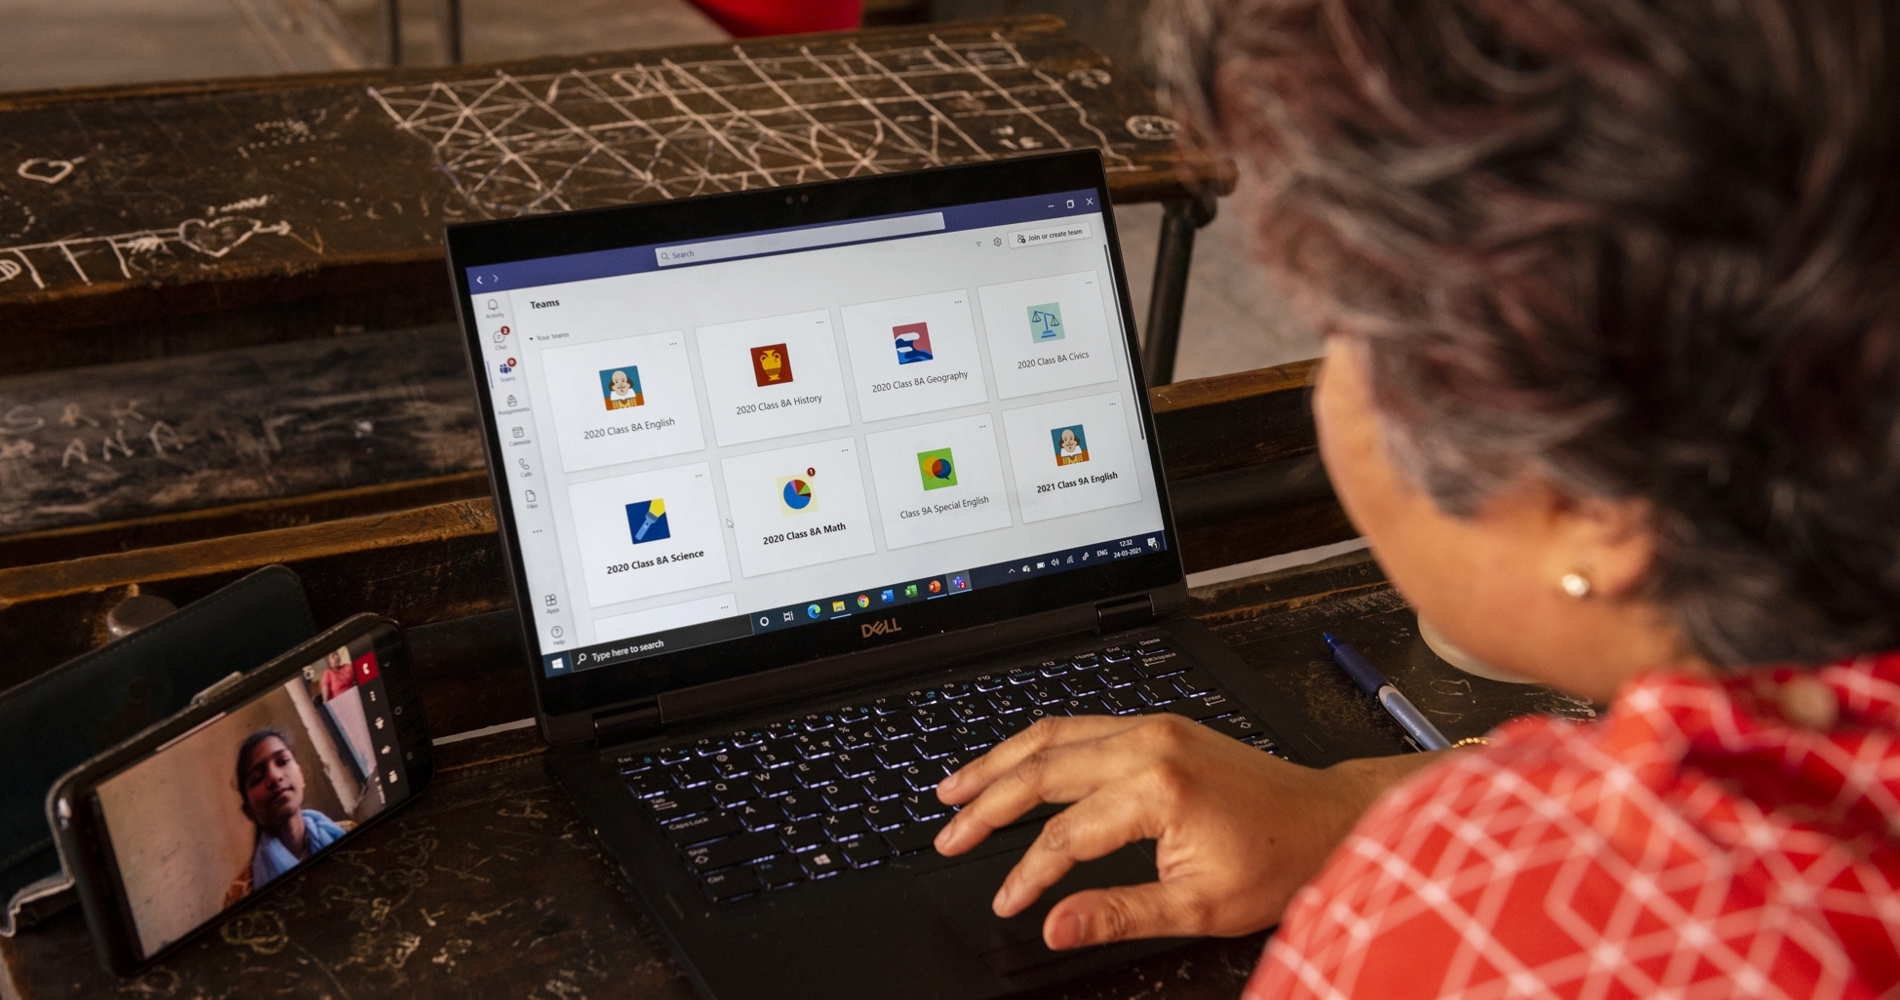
x,y
202,814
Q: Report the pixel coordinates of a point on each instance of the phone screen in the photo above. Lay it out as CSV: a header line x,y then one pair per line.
x,y
222,811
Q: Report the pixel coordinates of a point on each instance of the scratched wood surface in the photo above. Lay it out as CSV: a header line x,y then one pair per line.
x,y
130,204
146,438
492,887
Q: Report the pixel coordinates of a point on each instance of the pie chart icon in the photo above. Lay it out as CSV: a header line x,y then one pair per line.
x,y
796,494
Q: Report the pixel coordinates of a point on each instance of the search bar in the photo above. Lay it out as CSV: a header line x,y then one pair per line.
x,y
798,239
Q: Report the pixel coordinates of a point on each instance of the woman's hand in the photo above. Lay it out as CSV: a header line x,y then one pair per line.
x,y
1237,831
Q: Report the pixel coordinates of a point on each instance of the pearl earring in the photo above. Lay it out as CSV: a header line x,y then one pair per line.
x,y
1576,585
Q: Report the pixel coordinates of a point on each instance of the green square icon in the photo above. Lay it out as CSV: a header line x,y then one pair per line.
x,y
938,468
1045,322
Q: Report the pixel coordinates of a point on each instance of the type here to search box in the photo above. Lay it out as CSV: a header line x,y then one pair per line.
x,y
798,239
1077,230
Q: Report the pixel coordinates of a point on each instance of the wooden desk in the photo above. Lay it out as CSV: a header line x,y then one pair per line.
x,y
491,886
159,219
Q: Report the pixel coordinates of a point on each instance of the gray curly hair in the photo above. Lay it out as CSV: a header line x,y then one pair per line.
x,y
1647,250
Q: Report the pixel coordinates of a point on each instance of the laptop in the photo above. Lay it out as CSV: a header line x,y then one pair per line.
x,y
809,496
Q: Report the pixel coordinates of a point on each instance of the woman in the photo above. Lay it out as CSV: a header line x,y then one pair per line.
x,y
1612,389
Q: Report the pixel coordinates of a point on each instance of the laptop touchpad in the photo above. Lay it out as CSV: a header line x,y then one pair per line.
x,y
962,895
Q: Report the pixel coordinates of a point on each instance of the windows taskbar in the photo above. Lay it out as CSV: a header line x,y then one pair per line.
x,y
868,601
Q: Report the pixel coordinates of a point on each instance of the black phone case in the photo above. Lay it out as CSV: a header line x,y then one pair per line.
x,y
70,714
91,871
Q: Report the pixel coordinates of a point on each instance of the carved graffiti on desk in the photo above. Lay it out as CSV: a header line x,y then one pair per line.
x,y
516,144
134,253
48,172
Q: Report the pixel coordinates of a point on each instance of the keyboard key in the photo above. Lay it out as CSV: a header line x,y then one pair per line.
x,y
694,773
1161,664
649,784
1240,726
702,828
676,805
931,719
760,815
1196,682
1092,705
801,805
818,722
712,745
799,837
896,754
1043,694
732,884
914,837
816,746
924,775
894,728
1122,702
923,806
732,764
973,736
781,731
867,851
989,682
824,863
746,738
884,815
1053,668
889,706
855,764
956,761
844,795
841,827
1011,724
673,755
958,691
1120,676
1004,702
1117,654
973,710
744,849
769,757
918,699
1087,661
856,737
1204,707
772,784
883,785
731,793
851,714
1157,692
1081,684
812,773
1023,675
781,872
937,744
634,763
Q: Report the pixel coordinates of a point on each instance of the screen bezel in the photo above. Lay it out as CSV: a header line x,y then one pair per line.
x,y
96,874
479,244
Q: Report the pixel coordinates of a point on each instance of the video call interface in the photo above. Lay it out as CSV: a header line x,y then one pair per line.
x,y
231,806
713,439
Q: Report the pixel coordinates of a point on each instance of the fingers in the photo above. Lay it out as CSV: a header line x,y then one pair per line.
x,y
1092,828
1099,916
974,777
1064,772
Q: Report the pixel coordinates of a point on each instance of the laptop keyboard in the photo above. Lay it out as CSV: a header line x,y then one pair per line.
x,y
783,805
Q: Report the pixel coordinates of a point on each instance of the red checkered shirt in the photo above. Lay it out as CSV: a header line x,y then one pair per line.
x,y
1697,841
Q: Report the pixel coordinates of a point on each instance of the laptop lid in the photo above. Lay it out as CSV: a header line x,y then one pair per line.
x,y
747,431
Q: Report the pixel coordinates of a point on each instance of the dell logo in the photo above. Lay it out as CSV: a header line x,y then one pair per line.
x,y
884,627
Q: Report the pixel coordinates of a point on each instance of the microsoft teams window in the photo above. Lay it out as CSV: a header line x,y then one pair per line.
x,y
709,439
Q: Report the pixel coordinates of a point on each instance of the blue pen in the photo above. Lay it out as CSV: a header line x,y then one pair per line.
x,y
1372,682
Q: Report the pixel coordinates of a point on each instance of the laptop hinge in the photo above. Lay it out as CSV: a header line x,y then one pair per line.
x,y
627,722
1124,614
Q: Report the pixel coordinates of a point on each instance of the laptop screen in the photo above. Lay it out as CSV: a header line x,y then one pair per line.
x,y
706,440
